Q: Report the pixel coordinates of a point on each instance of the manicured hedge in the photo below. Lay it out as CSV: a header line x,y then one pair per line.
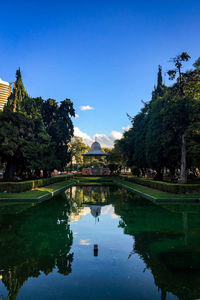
x,y
17,187
175,188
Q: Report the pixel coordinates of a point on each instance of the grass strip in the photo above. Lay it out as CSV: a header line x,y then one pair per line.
x,y
83,181
37,193
156,194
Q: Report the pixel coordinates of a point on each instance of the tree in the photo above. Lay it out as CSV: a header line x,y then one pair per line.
x,y
154,133
183,91
168,127
77,148
177,71
139,145
116,160
18,95
159,90
37,135
60,127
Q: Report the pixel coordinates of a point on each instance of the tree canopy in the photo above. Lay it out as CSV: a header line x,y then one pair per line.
x,y
34,133
166,132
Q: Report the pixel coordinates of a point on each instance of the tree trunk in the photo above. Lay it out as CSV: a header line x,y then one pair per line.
x,y
159,175
183,176
10,171
172,173
45,173
37,173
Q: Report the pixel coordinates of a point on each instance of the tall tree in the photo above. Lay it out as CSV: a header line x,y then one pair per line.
x,y
179,90
61,129
154,132
18,95
159,90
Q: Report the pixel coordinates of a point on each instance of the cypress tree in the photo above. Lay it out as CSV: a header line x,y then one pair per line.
x,y
19,89
159,89
18,95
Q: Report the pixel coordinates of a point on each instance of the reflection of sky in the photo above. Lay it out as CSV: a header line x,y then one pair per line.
x,y
111,271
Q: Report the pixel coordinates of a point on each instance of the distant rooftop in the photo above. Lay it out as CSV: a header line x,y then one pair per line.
x,y
3,82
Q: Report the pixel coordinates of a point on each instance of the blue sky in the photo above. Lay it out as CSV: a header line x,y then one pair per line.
x,y
104,54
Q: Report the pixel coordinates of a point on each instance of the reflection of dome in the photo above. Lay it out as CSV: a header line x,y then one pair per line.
x,y
96,146
95,210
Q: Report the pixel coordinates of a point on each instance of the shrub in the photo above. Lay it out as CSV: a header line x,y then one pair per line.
x,y
18,187
165,186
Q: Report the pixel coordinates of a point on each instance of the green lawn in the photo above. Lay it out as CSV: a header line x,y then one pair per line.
x,y
93,180
156,193
38,192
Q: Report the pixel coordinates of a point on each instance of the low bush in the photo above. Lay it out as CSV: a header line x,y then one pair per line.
x,y
18,187
176,188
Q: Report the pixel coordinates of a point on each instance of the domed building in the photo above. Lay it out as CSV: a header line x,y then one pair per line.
x,y
95,150
95,153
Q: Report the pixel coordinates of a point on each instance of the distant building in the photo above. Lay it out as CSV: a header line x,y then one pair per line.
x,y
5,91
95,153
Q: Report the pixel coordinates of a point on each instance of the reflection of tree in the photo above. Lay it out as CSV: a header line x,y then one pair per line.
x,y
96,194
37,240
167,241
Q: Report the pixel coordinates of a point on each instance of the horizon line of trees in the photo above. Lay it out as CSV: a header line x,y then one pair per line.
x,y
165,134
34,134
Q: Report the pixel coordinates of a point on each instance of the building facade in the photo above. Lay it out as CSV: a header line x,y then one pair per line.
x,y
5,91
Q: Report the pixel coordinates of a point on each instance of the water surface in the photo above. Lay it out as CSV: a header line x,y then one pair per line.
x,y
99,243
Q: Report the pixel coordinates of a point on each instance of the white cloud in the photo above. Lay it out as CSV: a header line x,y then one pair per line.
x,y
84,243
103,139
86,138
86,107
116,135
76,116
126,128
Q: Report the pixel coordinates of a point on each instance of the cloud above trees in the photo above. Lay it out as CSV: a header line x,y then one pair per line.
x,y
126,128
103,139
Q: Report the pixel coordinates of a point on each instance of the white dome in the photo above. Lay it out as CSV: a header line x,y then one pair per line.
x,y
95,150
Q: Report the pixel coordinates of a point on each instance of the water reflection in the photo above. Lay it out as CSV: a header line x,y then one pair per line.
x,y
88,199
167,238
38,240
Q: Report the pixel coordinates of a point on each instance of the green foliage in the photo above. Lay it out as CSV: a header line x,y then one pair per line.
x,y
77,148
18,187
116,160
36,136
19,92
166,132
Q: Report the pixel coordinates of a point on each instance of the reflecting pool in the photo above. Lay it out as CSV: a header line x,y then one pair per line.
x,y
99,242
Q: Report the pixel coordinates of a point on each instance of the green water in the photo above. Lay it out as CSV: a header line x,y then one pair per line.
x,y
99,243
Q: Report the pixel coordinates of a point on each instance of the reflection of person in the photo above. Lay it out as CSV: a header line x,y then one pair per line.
x,y
95,250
